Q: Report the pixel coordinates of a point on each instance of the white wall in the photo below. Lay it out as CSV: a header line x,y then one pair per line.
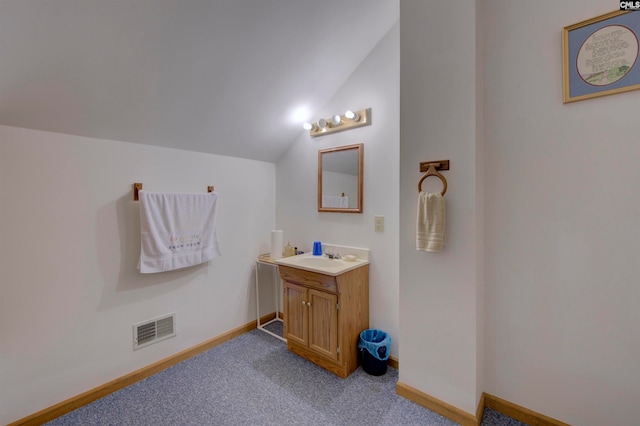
x,y
540,268
562,225
440,315
373,85
70,290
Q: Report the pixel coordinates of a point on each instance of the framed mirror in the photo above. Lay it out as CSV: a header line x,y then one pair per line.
x,y
340,179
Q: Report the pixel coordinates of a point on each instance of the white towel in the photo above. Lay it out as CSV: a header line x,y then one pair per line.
x,y
431,222
335,201
176,230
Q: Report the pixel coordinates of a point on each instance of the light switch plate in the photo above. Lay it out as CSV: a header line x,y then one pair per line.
x,y
379,223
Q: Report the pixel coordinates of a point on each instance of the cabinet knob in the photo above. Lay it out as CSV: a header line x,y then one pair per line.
x,y
309,304
304,303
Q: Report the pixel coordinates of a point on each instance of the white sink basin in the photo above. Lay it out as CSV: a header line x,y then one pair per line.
x,y
320,264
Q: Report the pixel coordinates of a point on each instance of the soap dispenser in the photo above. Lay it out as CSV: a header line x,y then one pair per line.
x,y
289,250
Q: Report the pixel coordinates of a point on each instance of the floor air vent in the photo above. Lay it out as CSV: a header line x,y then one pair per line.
x,y
155,330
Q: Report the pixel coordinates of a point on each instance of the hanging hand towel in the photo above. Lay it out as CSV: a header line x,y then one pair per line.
x,y
176,230
333,201
430,224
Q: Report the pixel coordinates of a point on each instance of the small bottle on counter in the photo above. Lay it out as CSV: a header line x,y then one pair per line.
x,y
289,250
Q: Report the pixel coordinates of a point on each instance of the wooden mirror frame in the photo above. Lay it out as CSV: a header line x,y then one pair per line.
x,y
360,148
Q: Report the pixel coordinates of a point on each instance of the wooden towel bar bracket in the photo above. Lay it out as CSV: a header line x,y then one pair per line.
x,y
430,168
138,186
439,165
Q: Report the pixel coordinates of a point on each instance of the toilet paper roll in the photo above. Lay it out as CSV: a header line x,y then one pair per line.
x,y
276,244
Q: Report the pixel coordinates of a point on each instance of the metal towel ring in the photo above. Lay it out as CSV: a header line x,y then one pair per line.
x,y
432,171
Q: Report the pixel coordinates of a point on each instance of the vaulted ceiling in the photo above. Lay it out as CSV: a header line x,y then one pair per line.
x,y
229,77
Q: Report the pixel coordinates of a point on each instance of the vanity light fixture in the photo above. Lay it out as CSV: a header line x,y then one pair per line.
x,y
338,123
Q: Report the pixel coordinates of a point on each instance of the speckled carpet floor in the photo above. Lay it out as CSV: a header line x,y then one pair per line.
x,y
254,380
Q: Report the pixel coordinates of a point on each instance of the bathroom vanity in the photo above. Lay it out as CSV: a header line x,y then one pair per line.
x,y
326,306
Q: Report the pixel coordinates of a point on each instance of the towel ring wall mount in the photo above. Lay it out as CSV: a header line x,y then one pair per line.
x,y
431,168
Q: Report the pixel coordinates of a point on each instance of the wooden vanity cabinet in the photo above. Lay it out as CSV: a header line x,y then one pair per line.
x,y
324,315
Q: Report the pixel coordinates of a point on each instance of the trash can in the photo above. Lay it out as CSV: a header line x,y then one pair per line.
x,y
374,346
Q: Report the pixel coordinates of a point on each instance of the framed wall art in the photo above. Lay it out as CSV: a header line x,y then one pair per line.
x,y
600,56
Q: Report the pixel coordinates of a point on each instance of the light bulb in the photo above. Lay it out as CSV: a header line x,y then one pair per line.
x,y
352,116
307,126
322,123
336,120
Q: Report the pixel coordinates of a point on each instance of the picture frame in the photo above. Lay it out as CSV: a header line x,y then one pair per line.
x,y
601,56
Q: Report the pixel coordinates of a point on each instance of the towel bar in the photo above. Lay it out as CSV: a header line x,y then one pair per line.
x,y
138,186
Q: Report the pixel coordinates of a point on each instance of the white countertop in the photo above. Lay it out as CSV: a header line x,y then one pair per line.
x,y
321,264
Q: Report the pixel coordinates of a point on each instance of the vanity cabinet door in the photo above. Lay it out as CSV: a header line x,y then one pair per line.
x,y
311,319
296,317
323,323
